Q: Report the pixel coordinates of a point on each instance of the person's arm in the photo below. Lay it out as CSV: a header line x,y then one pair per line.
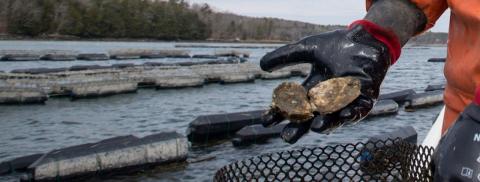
x,y
365,51
399,16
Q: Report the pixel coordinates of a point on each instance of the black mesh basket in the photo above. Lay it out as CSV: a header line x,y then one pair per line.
x,y
389,160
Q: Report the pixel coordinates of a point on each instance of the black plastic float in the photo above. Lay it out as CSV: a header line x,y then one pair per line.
x,y
435,87
39,70
118,154
153,56
154,64
18,164
424,100
124,57
384,107
256,134
15,96
237,78
400,96
259,134
93,57
210,127
84,67
102,88
123,65
406,133
205,56
58,57
21,57
437,60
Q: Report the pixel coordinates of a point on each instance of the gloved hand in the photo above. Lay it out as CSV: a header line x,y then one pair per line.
x,y
457,156
364,50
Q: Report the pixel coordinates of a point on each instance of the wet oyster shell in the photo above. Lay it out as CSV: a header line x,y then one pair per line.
x,y
290,99
334,94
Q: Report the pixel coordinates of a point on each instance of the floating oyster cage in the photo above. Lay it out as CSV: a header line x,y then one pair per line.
x,y
383,160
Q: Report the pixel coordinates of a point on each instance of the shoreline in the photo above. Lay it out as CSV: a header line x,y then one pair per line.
x,y
22,38
59,39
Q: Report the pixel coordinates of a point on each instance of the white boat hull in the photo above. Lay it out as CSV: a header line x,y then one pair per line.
x,y
435,133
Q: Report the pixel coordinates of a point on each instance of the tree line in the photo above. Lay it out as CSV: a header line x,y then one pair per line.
x,y
166,20
158,19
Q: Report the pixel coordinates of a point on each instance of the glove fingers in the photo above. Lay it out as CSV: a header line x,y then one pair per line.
x,y
357,110
354,112
286,55
294,131
271,118
327,123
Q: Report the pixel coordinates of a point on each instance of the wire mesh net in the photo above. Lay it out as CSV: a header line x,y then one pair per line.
x,y
387,160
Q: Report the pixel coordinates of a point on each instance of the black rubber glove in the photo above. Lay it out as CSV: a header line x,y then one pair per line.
x,y
356,52
457,156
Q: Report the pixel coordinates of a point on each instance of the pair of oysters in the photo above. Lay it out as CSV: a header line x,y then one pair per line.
x,y
292,101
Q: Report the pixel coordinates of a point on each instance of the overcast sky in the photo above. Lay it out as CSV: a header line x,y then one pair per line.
x,y
313,11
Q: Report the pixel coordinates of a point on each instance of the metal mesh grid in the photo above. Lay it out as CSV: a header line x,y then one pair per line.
x,y
389,160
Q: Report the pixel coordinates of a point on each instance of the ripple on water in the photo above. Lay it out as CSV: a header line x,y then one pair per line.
x,y
117,120
107,134
75,137
41,139
125,116
172,120
243,106
142,121
3,155
70,123
142,126
154,131
33,122
19,138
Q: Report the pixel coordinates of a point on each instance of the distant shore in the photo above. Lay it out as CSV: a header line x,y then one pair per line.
x,y
72,38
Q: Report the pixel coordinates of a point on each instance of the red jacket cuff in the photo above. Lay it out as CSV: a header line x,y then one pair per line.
x,y
383,35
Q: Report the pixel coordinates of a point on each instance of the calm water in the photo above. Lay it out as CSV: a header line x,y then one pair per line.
x,y
60,123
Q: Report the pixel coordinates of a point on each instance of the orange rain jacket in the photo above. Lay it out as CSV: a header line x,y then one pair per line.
x,y
462,68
